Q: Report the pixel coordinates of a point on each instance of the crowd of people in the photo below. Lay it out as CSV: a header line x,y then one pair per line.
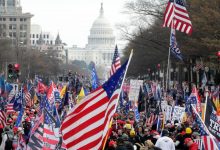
x,y
150,132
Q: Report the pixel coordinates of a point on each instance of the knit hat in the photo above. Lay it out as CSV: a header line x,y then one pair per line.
x,y
188,130
132,133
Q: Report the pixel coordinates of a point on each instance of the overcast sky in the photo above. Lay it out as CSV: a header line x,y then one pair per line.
x,y
72,18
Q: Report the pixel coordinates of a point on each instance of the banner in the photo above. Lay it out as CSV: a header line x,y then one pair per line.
x,y
168,112
212,118
178,113
134,89
163,105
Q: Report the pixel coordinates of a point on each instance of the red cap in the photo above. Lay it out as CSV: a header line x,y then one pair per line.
x,y
27,119
111,143
187,140
15,129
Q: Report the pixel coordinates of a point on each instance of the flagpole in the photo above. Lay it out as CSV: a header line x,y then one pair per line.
x,y
206,98
168,70
126,69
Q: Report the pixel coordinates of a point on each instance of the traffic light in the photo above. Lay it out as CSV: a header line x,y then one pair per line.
x,y
16,70
10,71
13,71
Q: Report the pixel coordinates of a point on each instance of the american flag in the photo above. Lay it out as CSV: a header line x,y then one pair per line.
x,y
9,106
44,135
51,134
28,99
207,138
87,123
151,119
195,99
21,143
176,16
3,118
36,139
116,63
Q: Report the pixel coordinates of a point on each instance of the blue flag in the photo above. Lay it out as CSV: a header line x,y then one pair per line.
x,y
2,85
136,113
94,78
8,87
174,46
18,104
18,121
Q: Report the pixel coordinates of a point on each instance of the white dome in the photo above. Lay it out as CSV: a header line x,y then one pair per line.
x,y
101,33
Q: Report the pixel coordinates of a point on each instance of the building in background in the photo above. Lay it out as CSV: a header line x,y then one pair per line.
x,y
100,47
44,42
37,33
14,24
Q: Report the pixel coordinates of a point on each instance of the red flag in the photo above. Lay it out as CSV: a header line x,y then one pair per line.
x,y
41,88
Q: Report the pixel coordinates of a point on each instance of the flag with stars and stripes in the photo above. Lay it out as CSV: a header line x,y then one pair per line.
x,y
86,125
36,134
51,134
176,16
27,96
207,138
194,99
3,118
116,63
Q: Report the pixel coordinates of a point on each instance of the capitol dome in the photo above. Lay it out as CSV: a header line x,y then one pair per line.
x,y
101,34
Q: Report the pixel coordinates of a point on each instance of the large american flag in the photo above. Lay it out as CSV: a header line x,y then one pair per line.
x,y
207,138
176,16
116,63
87,123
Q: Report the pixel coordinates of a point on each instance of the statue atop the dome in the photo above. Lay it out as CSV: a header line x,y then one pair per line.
x,y
101,10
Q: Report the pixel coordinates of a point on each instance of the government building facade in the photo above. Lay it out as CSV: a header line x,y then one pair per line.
x,y
101,44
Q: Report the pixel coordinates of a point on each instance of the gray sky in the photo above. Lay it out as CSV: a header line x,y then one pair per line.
x,y
73,18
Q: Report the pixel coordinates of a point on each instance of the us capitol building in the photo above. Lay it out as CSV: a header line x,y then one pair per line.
x,y
101,44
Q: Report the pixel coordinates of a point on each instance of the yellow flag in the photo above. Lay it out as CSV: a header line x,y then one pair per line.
x,y
35,99
81,95
63,91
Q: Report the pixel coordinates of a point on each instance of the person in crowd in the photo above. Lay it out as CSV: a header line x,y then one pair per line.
x,y
179,139
165,142
150,146
112,145
147,135
190,144
188,132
